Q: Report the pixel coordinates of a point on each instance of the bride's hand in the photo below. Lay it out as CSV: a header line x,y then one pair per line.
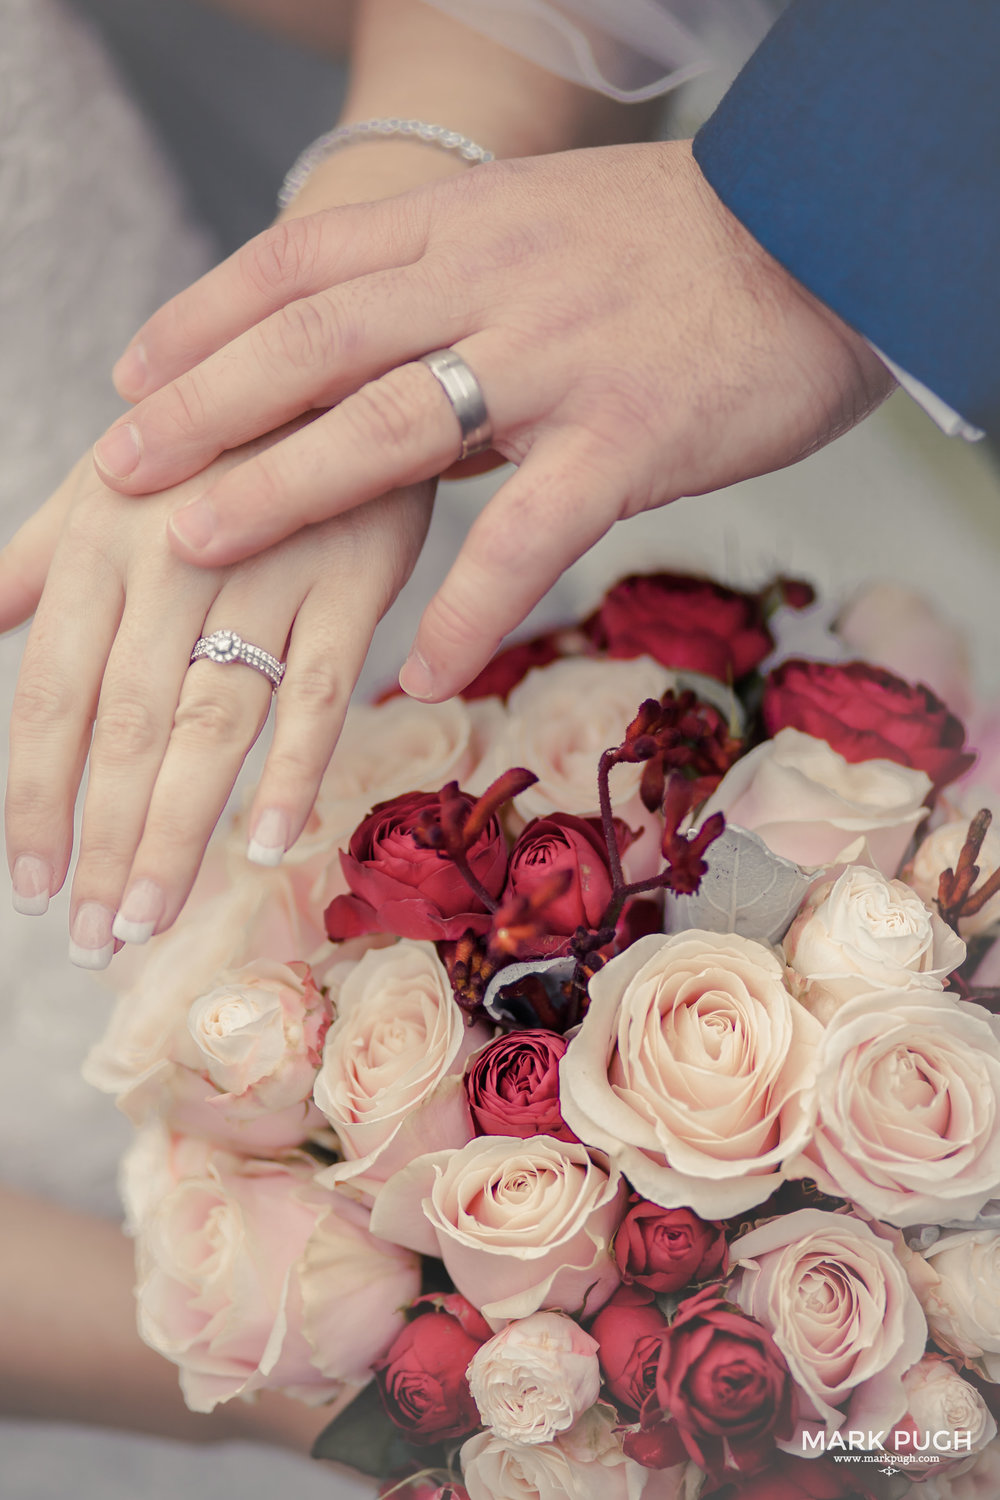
x,y
106,673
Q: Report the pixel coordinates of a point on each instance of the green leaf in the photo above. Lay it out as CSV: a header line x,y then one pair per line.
x,y
363,1438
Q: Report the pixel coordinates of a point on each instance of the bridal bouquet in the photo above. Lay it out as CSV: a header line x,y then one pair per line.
x,y
602,1100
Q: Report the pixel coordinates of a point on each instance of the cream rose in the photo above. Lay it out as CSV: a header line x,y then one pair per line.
x,y
946,1418
519,1224
810,805
535,1378
961,1298
980,1480
863,932
838,1304
391,1080
235,1064
939,851
908,1124
252,1277
689,1071
586,1463
561,718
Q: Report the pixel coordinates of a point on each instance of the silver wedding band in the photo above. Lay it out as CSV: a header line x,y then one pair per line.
x,y
224,646
466,397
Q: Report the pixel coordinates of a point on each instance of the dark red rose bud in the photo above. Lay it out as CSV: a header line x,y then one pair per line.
x,y
575,848
630,1330
722,1385
513,1086
788,1477
867,713
655,1447
687,623
422,1379
501,675
469,1318
399,885
666,1249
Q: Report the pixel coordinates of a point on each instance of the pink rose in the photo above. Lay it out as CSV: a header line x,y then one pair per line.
x,y
898,628
519,1224
906,1093
391,1081
630,1330
237,1064
689,1070
812,806
422,1375
946,1419
400,886
837,1303
251,1277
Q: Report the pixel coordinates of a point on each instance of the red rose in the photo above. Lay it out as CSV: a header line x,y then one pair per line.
x,y
867,713
422,1378
791,1478
513,1086
687,623
501,675
722,1387
666,1248
547,847
401,887
630,1330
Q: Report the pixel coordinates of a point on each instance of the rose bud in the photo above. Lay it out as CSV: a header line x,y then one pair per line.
x,y
866,713
507,668
402,887
667,1248
687,623
549,846
724,1385
422,1379
513,1086
630,1331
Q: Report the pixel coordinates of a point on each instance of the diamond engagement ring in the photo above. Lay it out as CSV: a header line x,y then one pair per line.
x,y
225,646
465,394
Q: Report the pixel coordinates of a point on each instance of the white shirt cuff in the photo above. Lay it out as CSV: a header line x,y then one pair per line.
x,y
948,420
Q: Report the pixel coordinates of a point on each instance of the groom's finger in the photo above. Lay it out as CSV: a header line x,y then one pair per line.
x,y
305,357
293,259
560,502
395,431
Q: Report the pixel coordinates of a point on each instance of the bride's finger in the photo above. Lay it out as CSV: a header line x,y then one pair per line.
x,y
295,258
394,431
25,560
145,671
560,502
54,707
363,570
306,356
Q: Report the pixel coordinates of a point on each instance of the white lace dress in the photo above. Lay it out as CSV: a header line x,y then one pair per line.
x,y
92,237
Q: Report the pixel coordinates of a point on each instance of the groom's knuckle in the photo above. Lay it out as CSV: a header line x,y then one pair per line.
x,y
184,407
299,336
280,256
382,413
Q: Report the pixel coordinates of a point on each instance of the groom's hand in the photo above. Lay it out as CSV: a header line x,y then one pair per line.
x,y
633,342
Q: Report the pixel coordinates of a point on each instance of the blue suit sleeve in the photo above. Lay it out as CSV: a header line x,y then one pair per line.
x,y
861,147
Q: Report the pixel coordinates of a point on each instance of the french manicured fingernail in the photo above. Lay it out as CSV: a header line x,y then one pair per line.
x,y
118,452
194,524
141,909
131,373
90,942
269,839
31,883
416,677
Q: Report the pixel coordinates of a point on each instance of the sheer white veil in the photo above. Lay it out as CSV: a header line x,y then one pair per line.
x,y
628,49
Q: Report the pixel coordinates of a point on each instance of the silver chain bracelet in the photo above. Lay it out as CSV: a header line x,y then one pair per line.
x,y
372,130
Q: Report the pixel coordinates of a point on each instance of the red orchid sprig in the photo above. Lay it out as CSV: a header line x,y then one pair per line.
x,y
956,897
452,827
